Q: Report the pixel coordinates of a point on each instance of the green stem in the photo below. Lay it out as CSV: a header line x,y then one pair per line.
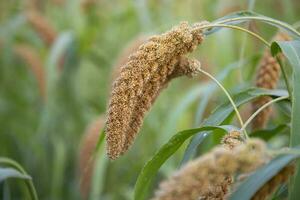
x,y
260,109
18,167
250,6
236,28
230,99
261,19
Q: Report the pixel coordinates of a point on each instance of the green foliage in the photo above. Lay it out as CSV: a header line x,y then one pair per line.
x,y
291,50
151,167
253,183
6,173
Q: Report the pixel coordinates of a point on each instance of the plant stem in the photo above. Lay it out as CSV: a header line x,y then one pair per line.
x,y
250,6
18,167
230,99
237,28
261,19
260,109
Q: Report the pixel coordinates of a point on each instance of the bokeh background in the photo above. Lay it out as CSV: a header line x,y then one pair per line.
x,y
58,59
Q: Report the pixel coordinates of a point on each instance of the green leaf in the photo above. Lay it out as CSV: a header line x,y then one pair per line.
x,y
267,134
223,112
57,51
152,166
6,173
245,16
253,183
291,49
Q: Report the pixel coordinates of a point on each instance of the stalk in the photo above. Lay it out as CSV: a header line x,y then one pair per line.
x,y
230,99
286,26
237,28
18,167
250,6
260,109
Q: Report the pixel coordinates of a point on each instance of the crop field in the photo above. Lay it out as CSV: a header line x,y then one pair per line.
x,y
149,100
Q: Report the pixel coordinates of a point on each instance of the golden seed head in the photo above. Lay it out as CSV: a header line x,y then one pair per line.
x,y
123,58
86,161
267,76
210,176
147,71
184,66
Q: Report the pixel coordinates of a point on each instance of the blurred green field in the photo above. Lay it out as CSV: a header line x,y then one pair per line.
x,y
44,115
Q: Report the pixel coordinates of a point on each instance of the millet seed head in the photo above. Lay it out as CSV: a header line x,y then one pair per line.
x,y
211,175
142,78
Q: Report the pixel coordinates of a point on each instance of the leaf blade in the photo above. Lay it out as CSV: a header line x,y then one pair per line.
x,y
245,16
291,49
6,173
153,165
224,111
253,183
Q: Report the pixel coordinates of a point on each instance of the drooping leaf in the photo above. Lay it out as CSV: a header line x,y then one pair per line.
x,y
223,112
291,49
6,173
253,183
152,166
245,16
267,134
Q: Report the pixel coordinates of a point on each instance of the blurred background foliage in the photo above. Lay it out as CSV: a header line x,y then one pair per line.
x,y
56,80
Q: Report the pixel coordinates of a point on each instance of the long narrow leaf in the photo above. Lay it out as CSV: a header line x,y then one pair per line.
x,y
223,112
151,168
252,184
291,50
245,16
6,173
